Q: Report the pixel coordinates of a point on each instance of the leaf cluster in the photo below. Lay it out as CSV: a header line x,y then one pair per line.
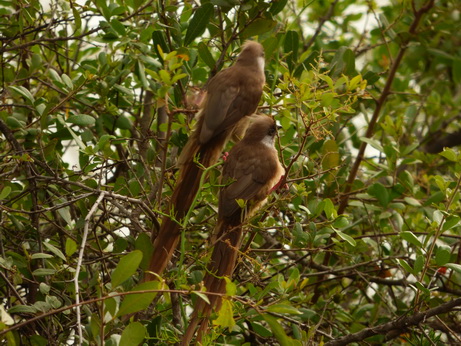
x,y
97,101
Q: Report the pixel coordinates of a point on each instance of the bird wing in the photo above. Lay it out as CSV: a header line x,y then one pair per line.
x,y
229,98
222,91
248,175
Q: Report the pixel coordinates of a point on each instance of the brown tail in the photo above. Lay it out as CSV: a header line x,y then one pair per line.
x,y
222,264
183,195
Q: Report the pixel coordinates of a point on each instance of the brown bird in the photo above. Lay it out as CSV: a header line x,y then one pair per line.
x,y
250,173
232,94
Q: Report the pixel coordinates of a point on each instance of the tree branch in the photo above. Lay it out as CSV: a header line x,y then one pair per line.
x,y
379,105
399,325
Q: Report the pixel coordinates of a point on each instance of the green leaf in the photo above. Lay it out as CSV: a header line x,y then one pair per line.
x,y
300,237
374,143
241,202
450,222
330,151
14,123
123,122
442,255
436,197
55,77
22,309
136,302
118,27
201,295
341,222
260,330
411,201
198,22
205,55
144,244
231,288
329,209
81,120
346,238
411,238
343,62
44,288
284,308
24,93
404,264
420,287
133,334
354,82
77,18
440,53
55,250
327,99
65,214
291,46
142,74
126,267
328,80
110,306
159,40
71,247
381,193
454,266
279,332
419,264
5,192
165,77
67,81
437,216
178,76
105,141
41,255
258,27
225,315
277,6
43,272
371,77
449,154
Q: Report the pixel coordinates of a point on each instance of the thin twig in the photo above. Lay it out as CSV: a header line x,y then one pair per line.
x,y
400,324
379,105
79,264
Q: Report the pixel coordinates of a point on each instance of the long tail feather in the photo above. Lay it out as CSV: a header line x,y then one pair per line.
x,y
183,195
222,264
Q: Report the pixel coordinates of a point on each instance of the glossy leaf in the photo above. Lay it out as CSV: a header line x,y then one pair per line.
x,y
442,255
126,267
136,302
198,22
133,334
81,119
225,315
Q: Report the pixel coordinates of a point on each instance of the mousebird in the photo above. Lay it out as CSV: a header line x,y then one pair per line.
x,y
250,173
232,95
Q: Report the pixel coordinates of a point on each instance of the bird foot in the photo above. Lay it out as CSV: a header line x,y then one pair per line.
x,y
281,184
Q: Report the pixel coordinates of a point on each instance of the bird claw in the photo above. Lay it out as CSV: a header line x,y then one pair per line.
x,y
225,155
281,184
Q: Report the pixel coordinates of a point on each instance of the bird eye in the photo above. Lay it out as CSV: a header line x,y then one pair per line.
x,y
272,131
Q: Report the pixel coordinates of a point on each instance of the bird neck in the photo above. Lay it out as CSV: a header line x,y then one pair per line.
x,y
268,141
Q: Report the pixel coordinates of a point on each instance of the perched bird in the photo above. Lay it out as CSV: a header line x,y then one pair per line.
x,y
232,95
250,172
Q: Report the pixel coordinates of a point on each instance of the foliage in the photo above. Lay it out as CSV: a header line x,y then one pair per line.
x,y
98,98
